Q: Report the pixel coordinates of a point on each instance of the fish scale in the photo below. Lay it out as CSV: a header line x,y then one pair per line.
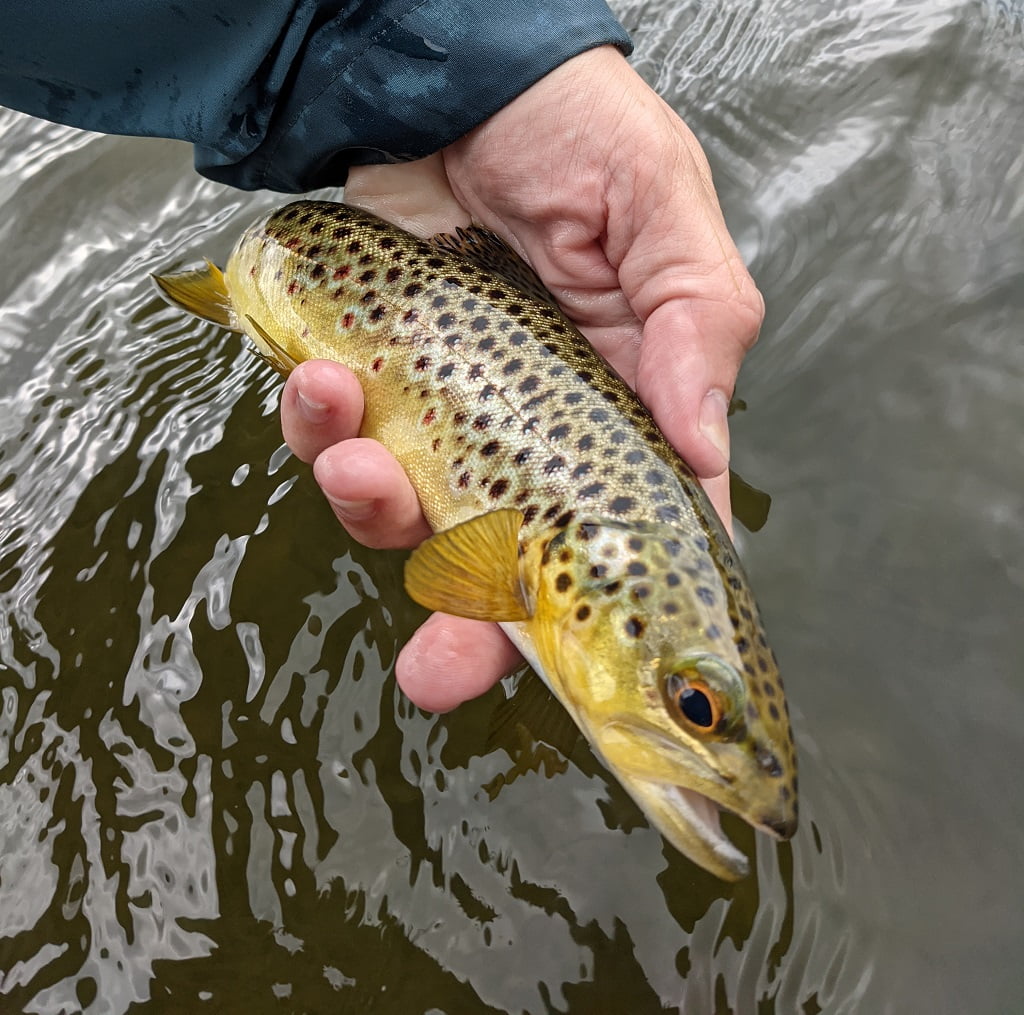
x,y
535,461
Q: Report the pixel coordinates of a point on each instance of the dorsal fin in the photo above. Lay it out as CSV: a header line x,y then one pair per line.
x,y
489,251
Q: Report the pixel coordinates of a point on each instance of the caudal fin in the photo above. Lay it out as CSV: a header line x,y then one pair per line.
x,y
201,291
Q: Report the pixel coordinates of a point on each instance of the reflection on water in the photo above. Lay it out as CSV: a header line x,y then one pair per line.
x,y
210,789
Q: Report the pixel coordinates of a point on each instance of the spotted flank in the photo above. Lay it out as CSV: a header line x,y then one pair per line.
x,y
560,509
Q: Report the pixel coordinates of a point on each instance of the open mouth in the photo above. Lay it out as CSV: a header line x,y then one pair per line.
x,y
691,823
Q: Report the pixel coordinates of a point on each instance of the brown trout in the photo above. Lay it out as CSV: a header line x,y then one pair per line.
x,y
560,510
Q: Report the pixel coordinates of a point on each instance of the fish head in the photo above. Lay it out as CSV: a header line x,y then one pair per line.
x,y
657,651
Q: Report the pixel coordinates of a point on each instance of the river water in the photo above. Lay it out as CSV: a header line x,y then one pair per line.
x,y
212,797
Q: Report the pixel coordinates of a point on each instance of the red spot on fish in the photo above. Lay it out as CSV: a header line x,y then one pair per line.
x,y
348,320
377,364
340,273
293,287
429,417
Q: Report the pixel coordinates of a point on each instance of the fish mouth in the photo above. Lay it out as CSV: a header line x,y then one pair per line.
x,y
691,822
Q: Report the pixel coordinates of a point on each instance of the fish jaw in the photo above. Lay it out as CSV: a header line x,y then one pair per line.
x,y
690,821
682,791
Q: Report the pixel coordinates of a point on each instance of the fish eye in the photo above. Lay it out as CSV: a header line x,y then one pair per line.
x,y
693,701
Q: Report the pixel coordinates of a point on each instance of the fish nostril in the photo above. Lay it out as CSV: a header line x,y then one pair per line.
x,y
769,762
784,828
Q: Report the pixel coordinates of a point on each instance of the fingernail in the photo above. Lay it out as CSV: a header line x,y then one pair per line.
x,y
353,510
312,412
714,424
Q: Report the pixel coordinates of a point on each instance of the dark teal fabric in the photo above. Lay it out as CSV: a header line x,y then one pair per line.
x,y
287,94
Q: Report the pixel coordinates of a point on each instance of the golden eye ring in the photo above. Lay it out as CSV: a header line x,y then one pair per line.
x,y
694,702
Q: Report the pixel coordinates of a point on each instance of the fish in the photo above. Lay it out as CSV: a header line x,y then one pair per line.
x,y
558,507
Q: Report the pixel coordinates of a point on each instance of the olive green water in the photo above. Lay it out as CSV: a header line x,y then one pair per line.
x,y
212,797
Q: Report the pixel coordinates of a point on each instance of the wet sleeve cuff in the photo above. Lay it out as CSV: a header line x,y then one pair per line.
x,y
401,83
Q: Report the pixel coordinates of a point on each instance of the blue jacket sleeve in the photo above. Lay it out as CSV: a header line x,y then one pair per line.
x,y
287,94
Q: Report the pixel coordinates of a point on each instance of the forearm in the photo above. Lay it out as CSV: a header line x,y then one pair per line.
x,y
287,95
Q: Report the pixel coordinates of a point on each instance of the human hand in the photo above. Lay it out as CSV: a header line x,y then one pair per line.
x,y
603,189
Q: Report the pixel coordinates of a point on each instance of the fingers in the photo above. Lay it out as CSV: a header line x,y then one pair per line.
x,y
322,403
450,660
321,411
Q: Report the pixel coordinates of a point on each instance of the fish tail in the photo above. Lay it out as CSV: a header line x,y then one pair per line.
x,y
200,291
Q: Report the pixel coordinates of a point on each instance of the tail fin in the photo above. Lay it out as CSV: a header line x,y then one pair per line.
x,y
201,291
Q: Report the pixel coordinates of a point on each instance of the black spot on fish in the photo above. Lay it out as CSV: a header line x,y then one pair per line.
x,y
485,344
634,627
354,247
583,612
480,324
592,490
498,487
637,568
512,366
621,504
517,338
641,592
705,595
557,433
598,415
636,543
490,448
522,456
530,513
581,470
482,422
670,608
553,464
563,520
378,312
585,443
672,579
563,582
446,371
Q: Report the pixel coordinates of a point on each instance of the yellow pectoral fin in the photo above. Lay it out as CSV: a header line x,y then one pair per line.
x,y
750,506
201,291
471,570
